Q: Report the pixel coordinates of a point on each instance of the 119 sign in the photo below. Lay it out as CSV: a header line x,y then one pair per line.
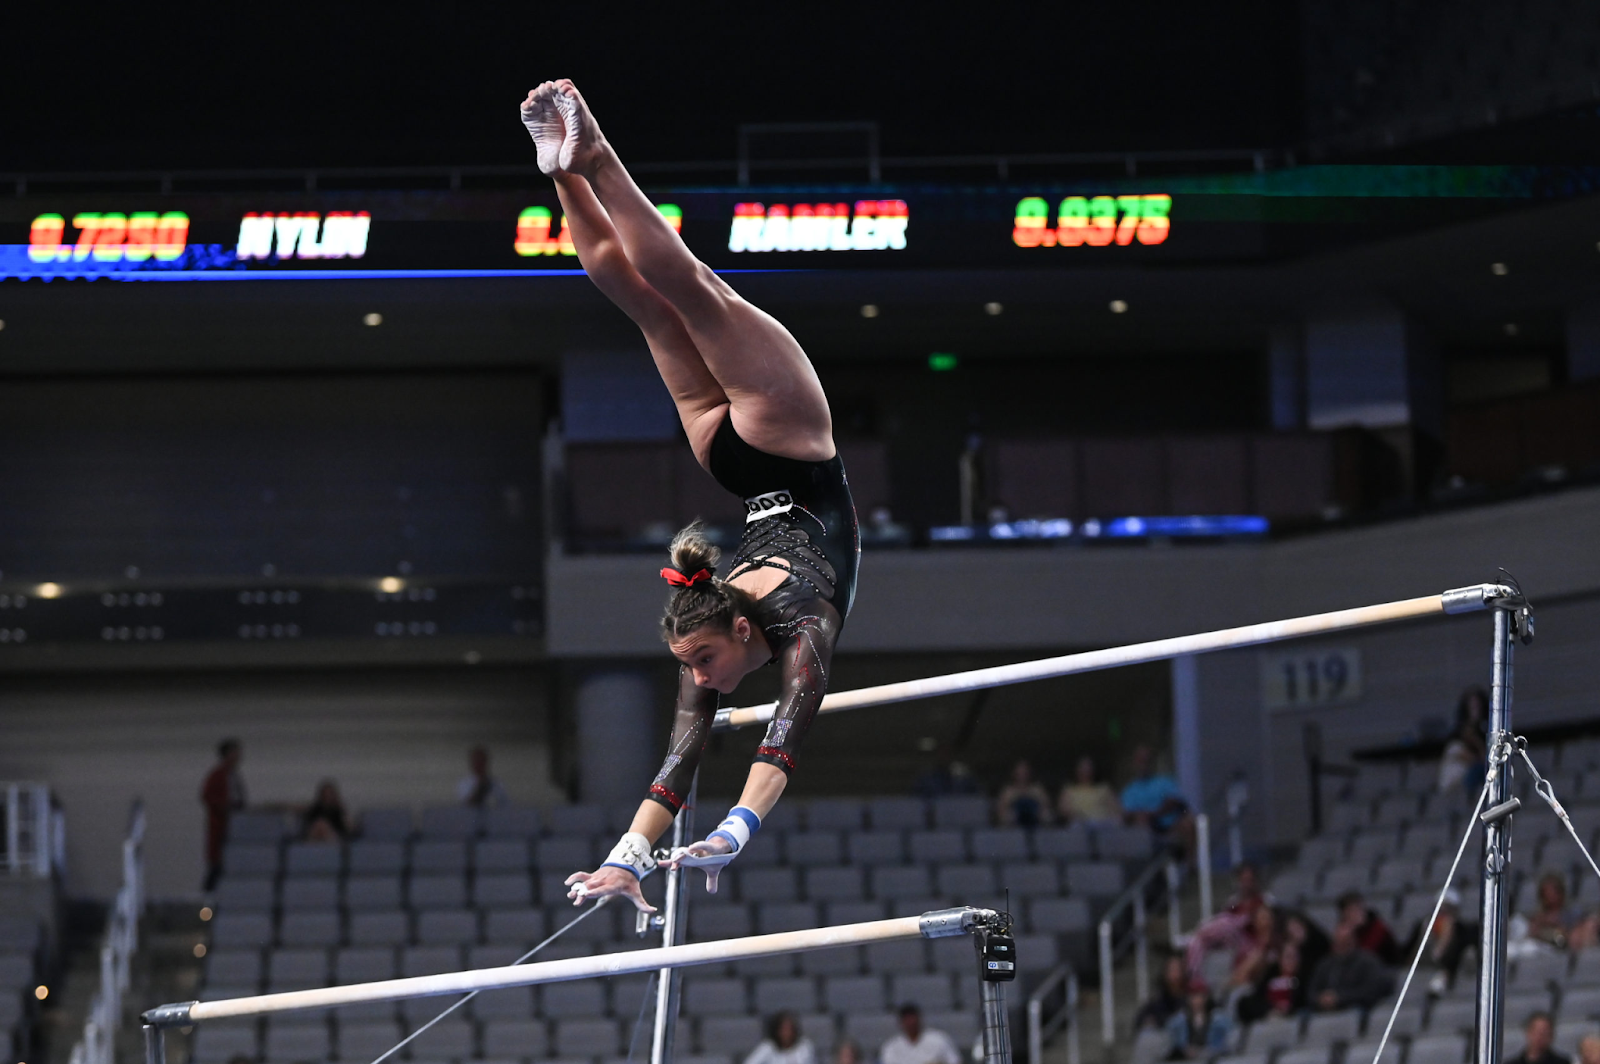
x,y
1310,678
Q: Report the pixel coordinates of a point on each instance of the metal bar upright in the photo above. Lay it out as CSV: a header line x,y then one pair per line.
x,y
668,980
1496,851
155,1044
996,1032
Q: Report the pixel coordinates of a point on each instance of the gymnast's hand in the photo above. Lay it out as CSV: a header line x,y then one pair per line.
x,y
604,882
710,856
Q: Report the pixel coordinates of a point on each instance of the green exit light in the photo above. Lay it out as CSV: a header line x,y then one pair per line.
x,y
941,361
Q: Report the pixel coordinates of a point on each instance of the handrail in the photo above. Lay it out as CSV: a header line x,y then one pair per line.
x,y
97,1045
30,830
1039,1029
1131,898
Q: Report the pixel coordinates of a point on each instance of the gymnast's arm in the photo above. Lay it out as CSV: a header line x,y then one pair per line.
x,y
623,872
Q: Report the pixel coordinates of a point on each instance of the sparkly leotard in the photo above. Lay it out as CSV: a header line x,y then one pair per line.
x,y
799,519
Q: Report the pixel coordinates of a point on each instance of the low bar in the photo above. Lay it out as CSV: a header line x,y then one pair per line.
x,y
942,923
1457,600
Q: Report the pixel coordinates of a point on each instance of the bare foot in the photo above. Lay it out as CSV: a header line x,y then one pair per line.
x,y
583,149
544,123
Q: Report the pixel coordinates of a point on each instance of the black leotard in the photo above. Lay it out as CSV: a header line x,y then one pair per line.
x,y
801,513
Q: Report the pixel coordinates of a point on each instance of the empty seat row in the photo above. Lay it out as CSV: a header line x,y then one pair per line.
x,y
722,1037
823,846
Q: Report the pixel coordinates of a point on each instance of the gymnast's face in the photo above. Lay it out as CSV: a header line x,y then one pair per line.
x,y
718,660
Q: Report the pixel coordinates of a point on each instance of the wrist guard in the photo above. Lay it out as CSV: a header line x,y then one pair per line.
x,y
632,852
738,828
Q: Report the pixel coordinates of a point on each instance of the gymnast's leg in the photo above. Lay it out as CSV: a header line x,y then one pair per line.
x,y
777,401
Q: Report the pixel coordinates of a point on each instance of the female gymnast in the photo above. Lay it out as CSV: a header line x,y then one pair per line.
x,y
758,421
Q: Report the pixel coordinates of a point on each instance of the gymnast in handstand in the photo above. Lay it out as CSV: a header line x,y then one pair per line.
x,y
758,421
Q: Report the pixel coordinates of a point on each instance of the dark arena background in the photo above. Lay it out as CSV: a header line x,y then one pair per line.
x,y
334,493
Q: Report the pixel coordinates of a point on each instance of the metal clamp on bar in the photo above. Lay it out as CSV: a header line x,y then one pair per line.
x,y
1473,598
947,923
1495,814
174,1015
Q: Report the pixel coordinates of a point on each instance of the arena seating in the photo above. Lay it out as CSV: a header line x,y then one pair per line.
x,y
1391,835
449,891
21,951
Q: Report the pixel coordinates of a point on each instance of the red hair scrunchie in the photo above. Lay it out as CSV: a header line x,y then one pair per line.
x,y
676,577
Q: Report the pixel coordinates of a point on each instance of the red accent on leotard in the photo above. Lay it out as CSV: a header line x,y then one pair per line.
x,y
672,798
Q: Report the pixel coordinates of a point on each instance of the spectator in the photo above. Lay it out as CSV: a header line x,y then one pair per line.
x,y
949,775
1280,991
1465,759
1371,932
1308,938
1554,922
1087,799
478,788
783,1044
913,1045
325,820
1154,801
1349,977
1023,803
1536,1047
222,793
847,1052
1259,949
1230,929
1448,939
1169,996
1589,1049
1199,1029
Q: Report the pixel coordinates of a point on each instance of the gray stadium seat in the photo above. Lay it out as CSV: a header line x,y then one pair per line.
x,y
846,883
218,1043
452,1038
777,916
19,934
1037,953
386,825
1290,887
962,1027
1342,878
1399,874
763,851
807,848
447,927
234,967
712,922
1579,1002
715,997
823,1030
299,1041
769,884
911,881
429,960
374,857
1071,843
310,929
835,814
854,994
1149,1046
1364,1051
500,855
1373,845
1095,879
257,825
1318,853
313,859
1274,1032
1569,1032
565,854
870,1030
1329,1028
1397,810
237,894
735,1035
794,994
960,811
1449,1016
495,956
1348,815
1114,842
1438,1049
297,969
364,964
584,821
581,997
1519,1006
948,846
965,884
502,889
628,995
515,1039
366,1040
1537,970
999,844
439,891
902,956
844,960
380,929
875,847
852,912
931,992
601,926
553,888
365,893
1307,1054
449,822
511,821
310,892
439,857
897,814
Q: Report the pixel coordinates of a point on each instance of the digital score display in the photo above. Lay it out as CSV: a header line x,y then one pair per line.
x,y
1093,221
110,237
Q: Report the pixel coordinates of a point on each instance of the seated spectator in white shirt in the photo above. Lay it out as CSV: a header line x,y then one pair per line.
x,y
479,788
913,1045
783,1044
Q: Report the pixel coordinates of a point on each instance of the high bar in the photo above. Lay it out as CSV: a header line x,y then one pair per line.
x,y
1457,600
943,923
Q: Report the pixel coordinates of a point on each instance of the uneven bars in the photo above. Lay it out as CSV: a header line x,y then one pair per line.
x,y
1457,600
943,923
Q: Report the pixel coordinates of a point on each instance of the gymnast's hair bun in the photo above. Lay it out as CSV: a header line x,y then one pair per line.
x,y
692,551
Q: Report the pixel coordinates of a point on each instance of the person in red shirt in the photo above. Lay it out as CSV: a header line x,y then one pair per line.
x,y
221,794
1371,932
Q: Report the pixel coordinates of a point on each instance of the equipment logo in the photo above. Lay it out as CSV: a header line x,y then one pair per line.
x,y
878,225
768,505
343,235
